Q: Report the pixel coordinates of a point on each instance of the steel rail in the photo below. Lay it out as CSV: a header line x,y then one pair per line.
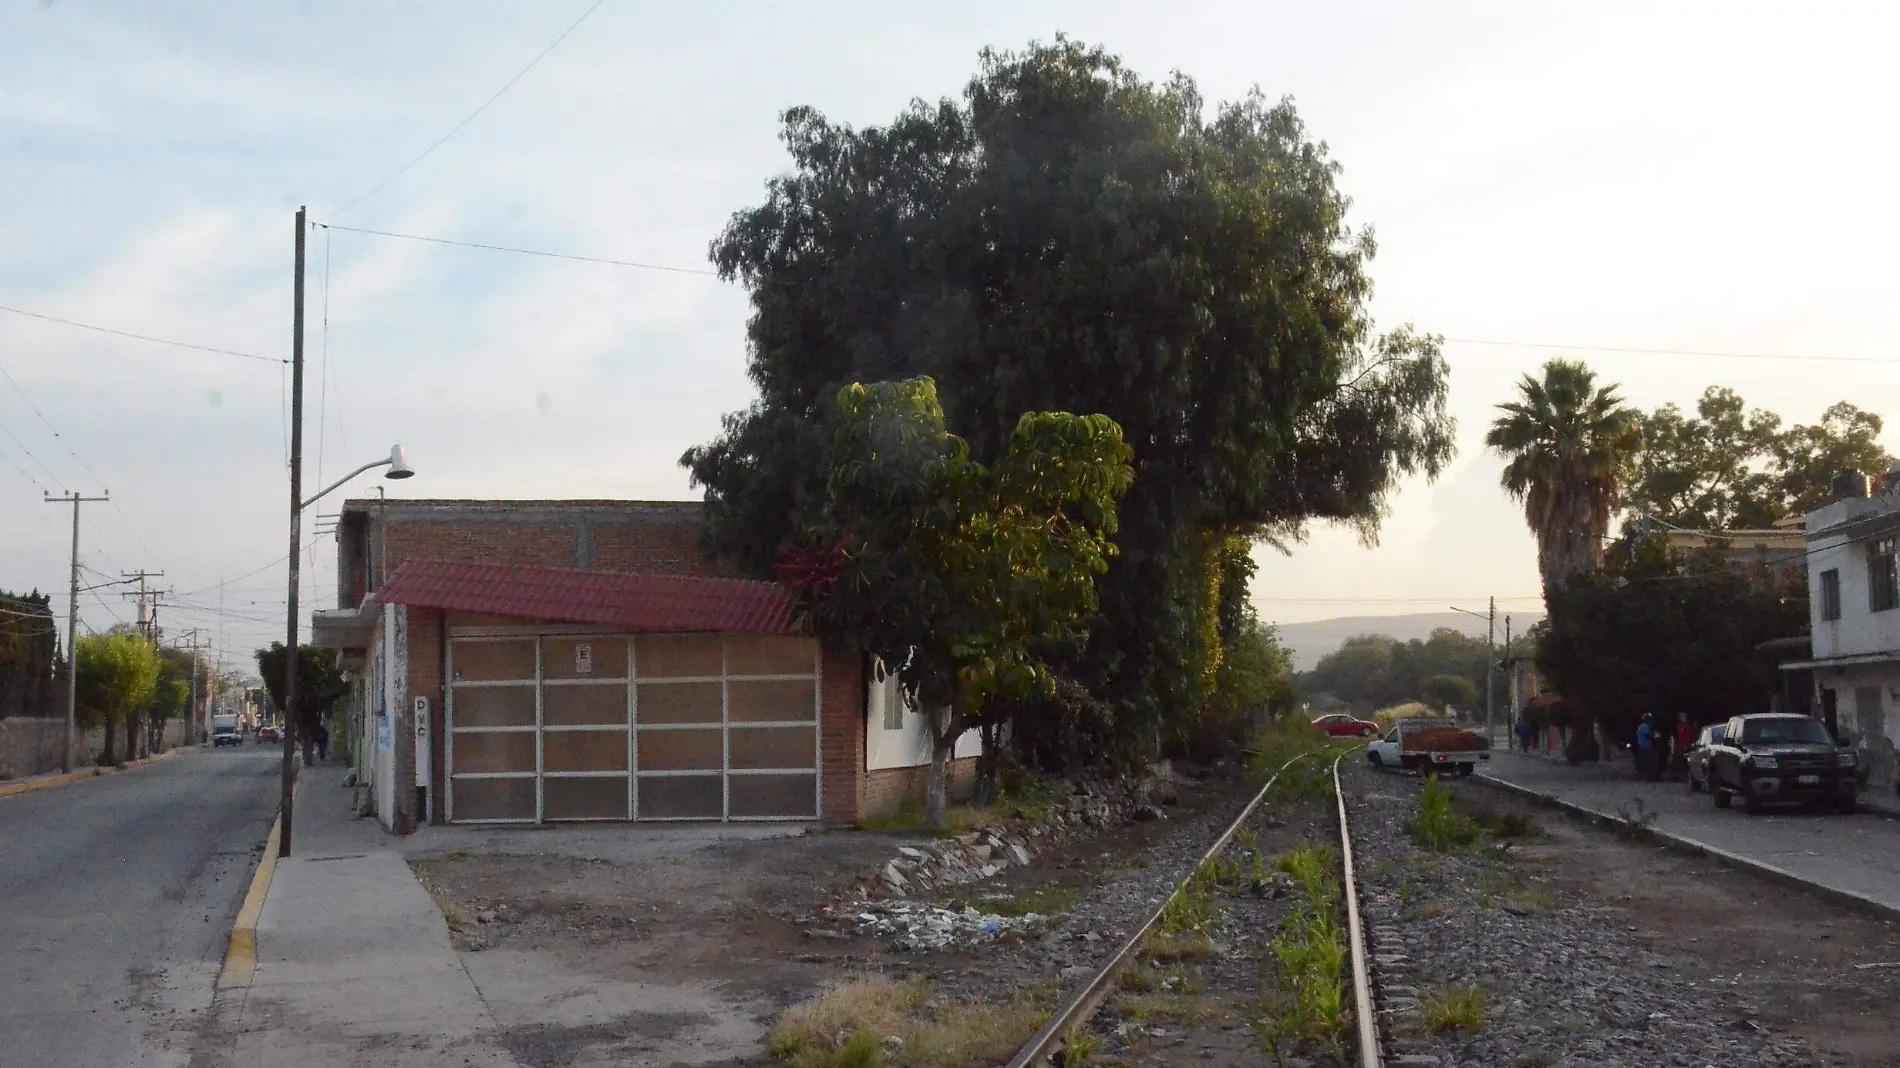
x,y
1083,1003
1367,1019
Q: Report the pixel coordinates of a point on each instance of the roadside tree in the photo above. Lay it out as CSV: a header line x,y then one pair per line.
x,y
961,574
29,655
319,685
1071,238
118,671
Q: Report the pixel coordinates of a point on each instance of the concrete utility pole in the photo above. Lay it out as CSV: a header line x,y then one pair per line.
x,y
288,786
192,644
1490,663
147,599
1510,680
72,627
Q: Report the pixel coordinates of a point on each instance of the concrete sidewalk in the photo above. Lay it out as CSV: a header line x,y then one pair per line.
x,y
354,963
1855,857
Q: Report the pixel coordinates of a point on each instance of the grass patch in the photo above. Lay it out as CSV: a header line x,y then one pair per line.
x,y
1507,826
1459,1009
1436,825
1137,979
1180,945
1047,901
1305,1009
1191,908
847,1027
1182,1008
1025,796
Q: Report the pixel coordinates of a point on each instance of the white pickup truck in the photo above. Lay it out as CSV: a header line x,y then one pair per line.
x,y
1429,746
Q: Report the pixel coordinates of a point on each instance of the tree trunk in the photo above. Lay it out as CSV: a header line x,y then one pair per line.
x,y
943,742
132,719
109,755
987,764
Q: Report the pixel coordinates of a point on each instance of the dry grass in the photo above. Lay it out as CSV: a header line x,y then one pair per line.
x,y
929,1033
1181,1008
1180,945
1457,1009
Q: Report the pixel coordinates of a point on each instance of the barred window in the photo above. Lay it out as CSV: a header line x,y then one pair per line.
x,y
1883,576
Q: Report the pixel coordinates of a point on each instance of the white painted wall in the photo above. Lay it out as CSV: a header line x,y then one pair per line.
x,y
391,666
909,746
1858,631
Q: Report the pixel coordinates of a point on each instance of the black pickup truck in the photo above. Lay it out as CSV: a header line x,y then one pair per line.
x,y
1780,758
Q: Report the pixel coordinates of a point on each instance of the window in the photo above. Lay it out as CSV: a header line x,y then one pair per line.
x,y
1883,577
1831,594
1783,730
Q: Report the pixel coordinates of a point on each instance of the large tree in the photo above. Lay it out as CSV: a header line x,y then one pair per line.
x,y
118,671
1069,237
1567,443
1730,467
1667,633
319,685
29,655
963,575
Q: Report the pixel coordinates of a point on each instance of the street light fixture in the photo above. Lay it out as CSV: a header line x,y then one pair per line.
x,y
398,463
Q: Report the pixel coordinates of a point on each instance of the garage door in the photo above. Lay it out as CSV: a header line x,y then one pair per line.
x,y
552,727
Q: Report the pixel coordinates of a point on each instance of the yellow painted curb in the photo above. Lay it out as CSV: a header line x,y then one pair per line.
x,y
240,958
79,776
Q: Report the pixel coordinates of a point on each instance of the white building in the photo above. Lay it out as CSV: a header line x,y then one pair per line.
x,y
1854,619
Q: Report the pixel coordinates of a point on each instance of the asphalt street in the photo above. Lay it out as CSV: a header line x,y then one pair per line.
x,y
117,896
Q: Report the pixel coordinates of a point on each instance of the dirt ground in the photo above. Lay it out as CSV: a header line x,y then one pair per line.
x,y
1787,954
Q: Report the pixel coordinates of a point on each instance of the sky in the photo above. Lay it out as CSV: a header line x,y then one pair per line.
x,y
1667,176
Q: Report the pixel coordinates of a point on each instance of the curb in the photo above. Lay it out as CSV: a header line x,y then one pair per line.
x,y
1878,909
13,789
240,956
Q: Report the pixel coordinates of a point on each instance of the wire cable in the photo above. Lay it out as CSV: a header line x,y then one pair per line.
x,y
524,251
21,390
1669,352
37,462
457,128
140,337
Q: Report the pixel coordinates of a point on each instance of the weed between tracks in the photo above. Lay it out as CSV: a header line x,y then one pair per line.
x,y
1304,1008
1457,1009
874,1023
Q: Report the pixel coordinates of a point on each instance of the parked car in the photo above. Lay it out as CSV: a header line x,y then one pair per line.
x,y
1340,725
1780,758
1430,746
269,734
1697,756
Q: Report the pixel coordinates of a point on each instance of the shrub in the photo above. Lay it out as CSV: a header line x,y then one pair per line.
x,y
1435,825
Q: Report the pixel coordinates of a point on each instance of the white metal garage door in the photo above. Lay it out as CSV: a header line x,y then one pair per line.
x,y
575,726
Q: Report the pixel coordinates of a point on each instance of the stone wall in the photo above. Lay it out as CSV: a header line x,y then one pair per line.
x,y
31,745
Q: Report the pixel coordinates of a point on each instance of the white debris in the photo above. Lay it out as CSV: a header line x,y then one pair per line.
x,y
923,927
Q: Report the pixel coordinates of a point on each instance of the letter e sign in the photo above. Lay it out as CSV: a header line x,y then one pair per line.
x,y
583,658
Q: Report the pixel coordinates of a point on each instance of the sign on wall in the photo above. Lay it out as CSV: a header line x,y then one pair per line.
x,y
583,658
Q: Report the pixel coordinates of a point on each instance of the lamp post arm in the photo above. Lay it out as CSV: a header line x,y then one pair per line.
x,y
320,493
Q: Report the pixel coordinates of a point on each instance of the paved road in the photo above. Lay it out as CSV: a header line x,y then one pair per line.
x,y
117,896
1859,854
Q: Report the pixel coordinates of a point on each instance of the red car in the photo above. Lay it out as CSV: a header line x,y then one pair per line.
x,y
1340,725
269,734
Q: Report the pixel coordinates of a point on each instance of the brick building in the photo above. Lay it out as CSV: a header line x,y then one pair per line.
x,y
544,661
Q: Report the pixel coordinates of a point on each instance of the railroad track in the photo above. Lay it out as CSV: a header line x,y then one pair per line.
x,y
1081,1005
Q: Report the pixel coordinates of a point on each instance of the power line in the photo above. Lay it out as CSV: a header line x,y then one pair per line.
x,y
21,390
1670,352
15,464
140,337
400,171
524,251
51,477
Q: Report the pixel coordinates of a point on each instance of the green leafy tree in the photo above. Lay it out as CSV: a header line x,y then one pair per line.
x,y
319,685
1454,691
1567,443
1666,633
1069,237
965,574
118,672
1807,457
1730,467
29,655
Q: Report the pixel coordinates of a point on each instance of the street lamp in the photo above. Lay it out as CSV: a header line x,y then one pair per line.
x,y
399,468
1490,657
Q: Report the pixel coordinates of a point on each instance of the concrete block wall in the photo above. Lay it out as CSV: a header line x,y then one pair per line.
x,y
30,745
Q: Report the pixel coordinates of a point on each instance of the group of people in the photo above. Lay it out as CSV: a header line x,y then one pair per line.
x,y
1656,751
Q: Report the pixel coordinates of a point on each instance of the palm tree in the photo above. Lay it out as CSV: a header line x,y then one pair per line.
x,y
1566,440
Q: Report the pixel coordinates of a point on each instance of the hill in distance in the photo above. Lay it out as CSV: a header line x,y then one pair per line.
x,y
1313,639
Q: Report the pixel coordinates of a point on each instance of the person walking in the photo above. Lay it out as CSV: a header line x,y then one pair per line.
x,y
1685,737
1645,738
1524,733
322,738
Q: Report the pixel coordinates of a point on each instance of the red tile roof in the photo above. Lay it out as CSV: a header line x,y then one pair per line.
x,y
649,604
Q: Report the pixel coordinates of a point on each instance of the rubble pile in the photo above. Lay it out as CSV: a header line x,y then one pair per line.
x,y
915,926
983,853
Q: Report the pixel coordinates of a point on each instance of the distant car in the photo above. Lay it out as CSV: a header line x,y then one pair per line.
x,y
1340,725
1697,755
1781,758
269,734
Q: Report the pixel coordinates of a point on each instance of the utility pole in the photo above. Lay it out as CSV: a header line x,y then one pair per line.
x,y
1490,662
191,643
288,787
1510,682
72,627
148,601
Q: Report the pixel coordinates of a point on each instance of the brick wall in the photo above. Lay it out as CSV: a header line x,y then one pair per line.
x,y
841,734
886,789
480,543
654,548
